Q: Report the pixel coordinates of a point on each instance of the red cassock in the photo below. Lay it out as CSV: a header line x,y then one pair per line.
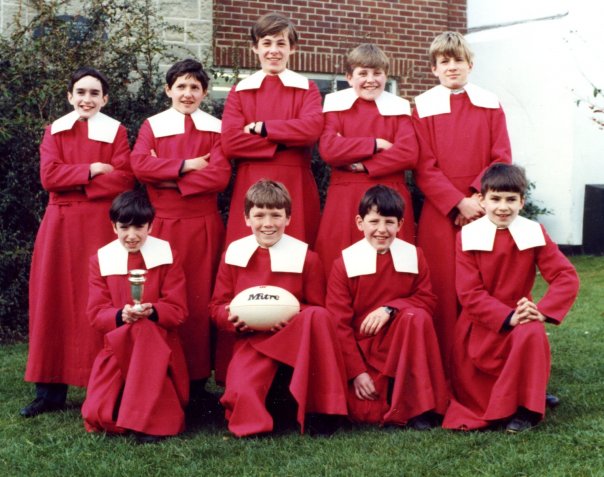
x,y
139,381
455,150
187,216
349,137
495,370
293,121
307,344
403,358
62,344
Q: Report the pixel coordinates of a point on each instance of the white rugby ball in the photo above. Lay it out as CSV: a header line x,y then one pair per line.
x,y
262,307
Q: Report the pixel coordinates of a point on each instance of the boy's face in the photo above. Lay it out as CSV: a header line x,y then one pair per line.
x,y
368,83
379,230
502,207
452,72
268,225
186,94
87,97
132,236
273,52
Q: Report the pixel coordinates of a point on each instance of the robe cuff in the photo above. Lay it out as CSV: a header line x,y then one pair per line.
x,y
506,324
154,316
263,131
118,318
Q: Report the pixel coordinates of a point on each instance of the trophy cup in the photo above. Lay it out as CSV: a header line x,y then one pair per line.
x,y
137,286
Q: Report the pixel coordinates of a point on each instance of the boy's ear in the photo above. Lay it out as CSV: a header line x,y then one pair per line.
x,y
359,221
481,199
114,225
168,91
105,99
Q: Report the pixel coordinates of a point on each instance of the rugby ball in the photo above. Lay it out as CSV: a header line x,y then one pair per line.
x,y
262,307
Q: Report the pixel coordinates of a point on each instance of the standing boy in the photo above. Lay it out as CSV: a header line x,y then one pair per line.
x,y
461,130
179,157
271,121
379,291
501,352
368,139
83,166
139,381
307,343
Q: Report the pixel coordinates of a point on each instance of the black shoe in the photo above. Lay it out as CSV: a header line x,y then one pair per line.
x,y
522,421
423,422
551,400
40,406
142,438
322,425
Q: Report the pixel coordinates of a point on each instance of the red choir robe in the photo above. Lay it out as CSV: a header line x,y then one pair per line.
x,y
139,381
460,136
403,358
187,216
497,369
290,107
62,344
351,127
308,343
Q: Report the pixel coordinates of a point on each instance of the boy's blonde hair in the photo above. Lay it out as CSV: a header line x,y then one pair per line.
x,y
450,44
271,24
268,194
367,55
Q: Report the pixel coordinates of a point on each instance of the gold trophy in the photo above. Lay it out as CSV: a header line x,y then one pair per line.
x,y
137,286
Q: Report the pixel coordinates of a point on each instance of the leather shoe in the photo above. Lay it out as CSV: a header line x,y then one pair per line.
x,y
142,438
40,406
551,400
522,421
423,422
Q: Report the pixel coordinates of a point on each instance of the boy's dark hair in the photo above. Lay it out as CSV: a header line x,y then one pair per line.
x,y
78,74
188,67
367,55
132,208
268,194
504,178
271,24
387,202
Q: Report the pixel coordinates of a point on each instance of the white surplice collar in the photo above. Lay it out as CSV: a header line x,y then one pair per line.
x,y
113,257
480,234
289,78
287,255
361,258
438,100
101,127
388,104
172,122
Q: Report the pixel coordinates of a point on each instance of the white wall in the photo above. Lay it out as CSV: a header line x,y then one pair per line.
x,y
539,57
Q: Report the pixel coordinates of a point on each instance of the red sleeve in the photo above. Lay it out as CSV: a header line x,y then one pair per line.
x,y
224,292
314,281
339,304
337,150
213,178
171,306
148,168
55,174
100,310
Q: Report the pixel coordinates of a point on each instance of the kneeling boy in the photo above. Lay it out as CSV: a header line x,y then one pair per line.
x,y
379,291
501,352
139,381
306,343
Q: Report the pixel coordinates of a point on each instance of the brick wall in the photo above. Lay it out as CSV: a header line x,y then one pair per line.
x,y
328,30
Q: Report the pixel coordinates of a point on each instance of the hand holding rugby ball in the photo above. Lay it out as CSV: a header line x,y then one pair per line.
x,y
262,307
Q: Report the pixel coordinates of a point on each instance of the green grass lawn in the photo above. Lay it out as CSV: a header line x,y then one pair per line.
x,y
569,443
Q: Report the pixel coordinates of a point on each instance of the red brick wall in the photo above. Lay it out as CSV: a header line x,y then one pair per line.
x,y
328,30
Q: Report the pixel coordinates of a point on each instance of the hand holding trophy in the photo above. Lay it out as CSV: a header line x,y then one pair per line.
x,y
137,285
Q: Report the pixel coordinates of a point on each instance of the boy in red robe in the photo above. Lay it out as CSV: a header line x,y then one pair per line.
x,y
368,139
379,291
83,166
271,121
306,344
139,381
179,158
461,131
501,353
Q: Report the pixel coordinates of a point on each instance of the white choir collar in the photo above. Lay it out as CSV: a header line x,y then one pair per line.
x,y
113,257
287,255
172,122
361,258
388,104
289,78
480,234
438,100
101,127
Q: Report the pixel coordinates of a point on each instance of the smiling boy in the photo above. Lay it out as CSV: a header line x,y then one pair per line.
x,y
271,121
368,139
306,345
501,352
379,292
179,158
